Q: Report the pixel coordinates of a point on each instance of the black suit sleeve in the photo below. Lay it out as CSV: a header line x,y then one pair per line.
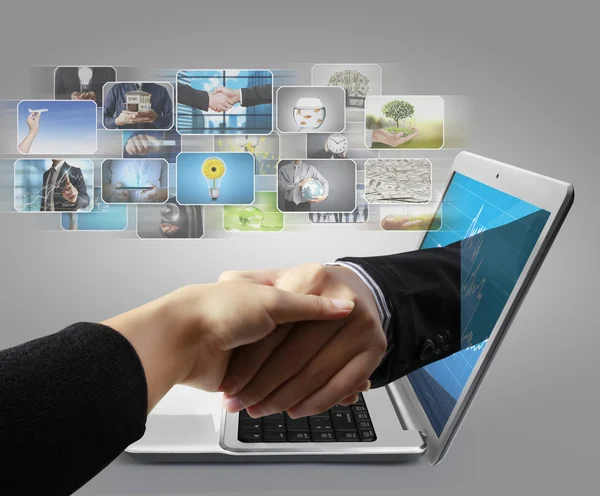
x,y
77,180
424,292
70,403
186,95
257,95
422,289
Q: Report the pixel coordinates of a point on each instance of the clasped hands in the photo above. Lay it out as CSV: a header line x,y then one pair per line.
x,y
221,99
299,340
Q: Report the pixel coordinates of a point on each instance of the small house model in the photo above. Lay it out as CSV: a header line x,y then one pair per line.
x,y
138,101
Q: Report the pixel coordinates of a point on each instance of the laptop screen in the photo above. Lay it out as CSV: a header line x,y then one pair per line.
x,y
489,273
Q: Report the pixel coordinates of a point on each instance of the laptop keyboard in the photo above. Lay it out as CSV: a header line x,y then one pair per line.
x,y
338,424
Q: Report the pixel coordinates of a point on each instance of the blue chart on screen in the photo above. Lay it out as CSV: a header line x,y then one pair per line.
x,y
489,272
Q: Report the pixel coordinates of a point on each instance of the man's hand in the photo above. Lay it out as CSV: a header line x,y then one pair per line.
x,y
235,96
169,228
394,223
149,195
127,117
142,144
69,192
387,138
86,95
187,336
304,181
317,199
119,195
33,121
146,116
312,366
219,101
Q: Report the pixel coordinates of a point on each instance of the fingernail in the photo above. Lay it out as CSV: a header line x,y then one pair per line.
x,y
256,411
233,404
342,304
294,414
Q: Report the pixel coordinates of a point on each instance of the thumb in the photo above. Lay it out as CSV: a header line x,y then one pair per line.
x,y
286,306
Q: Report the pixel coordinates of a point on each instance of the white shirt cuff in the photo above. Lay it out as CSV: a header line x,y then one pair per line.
x,y
385,315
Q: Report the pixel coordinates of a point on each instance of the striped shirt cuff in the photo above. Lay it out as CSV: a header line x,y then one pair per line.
x,y
385,315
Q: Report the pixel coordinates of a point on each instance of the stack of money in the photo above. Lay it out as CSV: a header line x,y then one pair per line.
x,y
356,85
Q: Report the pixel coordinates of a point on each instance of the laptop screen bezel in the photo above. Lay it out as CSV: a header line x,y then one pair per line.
x,y
549,194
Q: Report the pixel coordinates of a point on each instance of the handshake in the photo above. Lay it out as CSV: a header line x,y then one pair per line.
x,y
221,99
299,340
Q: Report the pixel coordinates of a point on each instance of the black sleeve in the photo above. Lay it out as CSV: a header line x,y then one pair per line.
x,y
422,290
83,199
70,403
61,92
257,95
186,95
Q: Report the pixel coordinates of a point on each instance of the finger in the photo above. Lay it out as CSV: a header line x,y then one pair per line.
x,y
328,361
300,346
285,306
364,387
350,400
135,148
247,360
339,387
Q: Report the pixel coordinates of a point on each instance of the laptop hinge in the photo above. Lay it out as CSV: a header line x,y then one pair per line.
x,y
404,407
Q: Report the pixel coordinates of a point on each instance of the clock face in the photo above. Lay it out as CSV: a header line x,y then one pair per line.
x,y
337,143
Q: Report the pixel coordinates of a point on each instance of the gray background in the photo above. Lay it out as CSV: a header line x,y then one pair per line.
x,y
333,99
341,175
530,72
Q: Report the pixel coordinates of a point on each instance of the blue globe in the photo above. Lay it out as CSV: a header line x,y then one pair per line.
x,y
311,189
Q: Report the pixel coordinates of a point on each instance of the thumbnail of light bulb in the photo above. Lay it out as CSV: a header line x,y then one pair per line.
x,y
213,170
85,75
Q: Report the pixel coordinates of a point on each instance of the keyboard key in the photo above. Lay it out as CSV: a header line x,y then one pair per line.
x,y
253,425
320,424
364,424
361,416
342,421
366,435
300,424
274,437
299,437
250,437
323,437
346,436
274,426
244,415
359,409
361,399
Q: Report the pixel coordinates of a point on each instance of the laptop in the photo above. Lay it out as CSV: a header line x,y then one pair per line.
x,y
419,414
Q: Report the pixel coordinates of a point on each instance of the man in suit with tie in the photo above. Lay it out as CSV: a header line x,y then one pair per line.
x,y
64,188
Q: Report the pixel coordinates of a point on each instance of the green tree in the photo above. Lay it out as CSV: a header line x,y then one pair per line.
x,y
398,110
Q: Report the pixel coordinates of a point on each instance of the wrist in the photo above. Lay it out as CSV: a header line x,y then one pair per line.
x,y
157,332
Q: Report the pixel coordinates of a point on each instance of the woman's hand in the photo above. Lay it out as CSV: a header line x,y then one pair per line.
x,y
187,336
